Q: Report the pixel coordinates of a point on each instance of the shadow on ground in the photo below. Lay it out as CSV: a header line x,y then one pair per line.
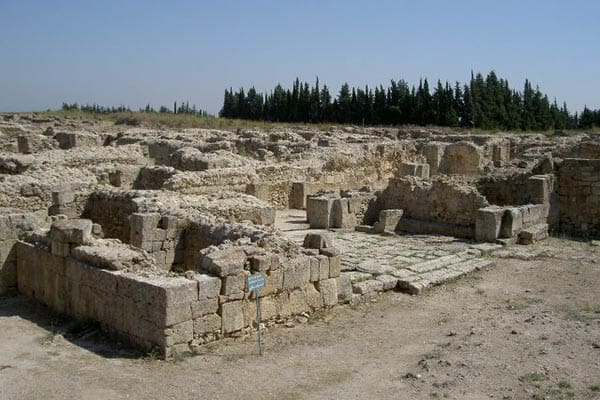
x,y
83,333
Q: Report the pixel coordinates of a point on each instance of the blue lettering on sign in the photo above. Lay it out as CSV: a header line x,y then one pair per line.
x,y
256,282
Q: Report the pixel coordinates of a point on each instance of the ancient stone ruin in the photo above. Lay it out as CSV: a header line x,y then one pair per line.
x,y
153,232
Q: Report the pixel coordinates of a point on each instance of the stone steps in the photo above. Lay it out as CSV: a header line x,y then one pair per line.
x,y
415,284
418,277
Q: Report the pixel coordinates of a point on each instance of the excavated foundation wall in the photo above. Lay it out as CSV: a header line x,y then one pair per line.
x,y
437,206
579,193
67,271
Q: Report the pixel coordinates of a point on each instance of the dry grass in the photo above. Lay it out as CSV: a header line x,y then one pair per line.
x,y
177,121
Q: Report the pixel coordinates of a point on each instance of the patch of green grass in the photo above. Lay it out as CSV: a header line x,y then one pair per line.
x,y
585,313
564,384
179,357
533,378
152,355
595,388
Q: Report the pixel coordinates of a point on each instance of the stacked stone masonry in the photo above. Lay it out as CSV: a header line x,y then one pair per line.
x,y
153,232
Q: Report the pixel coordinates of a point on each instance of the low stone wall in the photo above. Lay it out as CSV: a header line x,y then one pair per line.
x,y
153,177
579,194
174,314
440,200
505,190
515,223
341,210
13,224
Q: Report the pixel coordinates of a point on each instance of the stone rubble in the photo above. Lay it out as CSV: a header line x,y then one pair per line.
x,y
153,232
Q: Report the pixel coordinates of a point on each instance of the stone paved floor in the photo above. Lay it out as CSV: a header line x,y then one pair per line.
x,y
416,261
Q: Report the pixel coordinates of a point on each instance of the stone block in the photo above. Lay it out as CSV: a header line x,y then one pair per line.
x,y
166,292
179,333
204,307
273,283
171,315
268,308
464,158
62,197
534,214
318,212
224,262
335,266
261,190
365,287
539,188
433,152
143,227
389,282
414,169
69,212
297,303
298,195
260,262
488,223
533,234
8,275
232,316
60,249
314,269
341,216
328,290
75,231
512,223
233,284
344,288
317,241
297,274
388,221
313,297
209,286
330,252
323,267
207,324
232,297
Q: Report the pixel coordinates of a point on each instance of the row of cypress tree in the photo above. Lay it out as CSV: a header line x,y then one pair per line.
x,y
487,103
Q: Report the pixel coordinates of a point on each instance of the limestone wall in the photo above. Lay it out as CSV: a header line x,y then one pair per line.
x,y
505,189
174,313
442,201
13,224
579,194
153,177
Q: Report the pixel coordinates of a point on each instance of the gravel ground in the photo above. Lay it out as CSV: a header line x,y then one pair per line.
x,y
528,328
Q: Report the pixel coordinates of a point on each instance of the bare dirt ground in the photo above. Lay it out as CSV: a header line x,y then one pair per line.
x,y
527,328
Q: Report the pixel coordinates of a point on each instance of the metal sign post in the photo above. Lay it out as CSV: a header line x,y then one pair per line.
x,y
255,283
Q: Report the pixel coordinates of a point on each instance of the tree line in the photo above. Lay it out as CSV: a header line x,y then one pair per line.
x,y
181,108
486,103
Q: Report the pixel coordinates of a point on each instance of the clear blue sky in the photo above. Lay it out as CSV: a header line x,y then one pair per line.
x,y
137,52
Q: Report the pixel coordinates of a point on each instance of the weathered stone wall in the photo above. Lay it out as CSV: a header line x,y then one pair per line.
x,y
172,314
464,158
153,177
579,194
13,224
112,209
439,200
69,140
345,209
505,189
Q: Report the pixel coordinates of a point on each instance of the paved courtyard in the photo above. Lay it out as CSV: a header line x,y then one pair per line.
x,y
374,262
